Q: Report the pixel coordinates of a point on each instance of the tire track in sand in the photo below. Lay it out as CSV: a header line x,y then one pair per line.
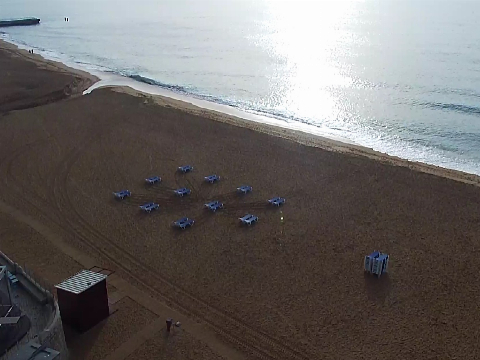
x,y
232,329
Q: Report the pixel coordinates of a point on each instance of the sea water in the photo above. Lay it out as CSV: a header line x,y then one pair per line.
x,y
399,76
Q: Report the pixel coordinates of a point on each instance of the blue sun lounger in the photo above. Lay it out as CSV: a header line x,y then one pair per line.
x,y
244,189
185,168
183,191
153,180
214,205
249,219
212,178
12,278
148,207
277,201
376,263
369,260
122,194
183,223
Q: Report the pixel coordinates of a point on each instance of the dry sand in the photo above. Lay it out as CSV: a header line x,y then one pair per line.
x,y
277,290
175,346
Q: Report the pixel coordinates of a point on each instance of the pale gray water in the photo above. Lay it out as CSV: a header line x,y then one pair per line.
x,y
399,76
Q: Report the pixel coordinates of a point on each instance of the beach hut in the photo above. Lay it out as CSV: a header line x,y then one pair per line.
x,y
83,299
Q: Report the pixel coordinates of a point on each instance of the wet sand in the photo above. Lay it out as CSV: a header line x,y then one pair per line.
x,y
291,286
28,82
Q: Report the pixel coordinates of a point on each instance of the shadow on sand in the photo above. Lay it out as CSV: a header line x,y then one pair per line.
x,y
377,289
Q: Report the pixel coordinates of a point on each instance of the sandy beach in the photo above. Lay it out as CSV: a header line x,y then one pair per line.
x,y
290,287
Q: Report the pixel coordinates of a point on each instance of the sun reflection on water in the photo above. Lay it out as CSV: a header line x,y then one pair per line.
x,y
305,37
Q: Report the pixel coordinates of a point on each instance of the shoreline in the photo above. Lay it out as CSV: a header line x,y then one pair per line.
x,y
230,115
304,138
298,272
48,64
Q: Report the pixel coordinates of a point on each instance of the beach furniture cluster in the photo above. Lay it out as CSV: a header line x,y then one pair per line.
x,y
376,263
213,206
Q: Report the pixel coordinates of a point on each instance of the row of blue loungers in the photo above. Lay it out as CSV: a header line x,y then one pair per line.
x,y
213,206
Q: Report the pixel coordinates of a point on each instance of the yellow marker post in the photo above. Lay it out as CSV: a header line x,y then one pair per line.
x,y
282,219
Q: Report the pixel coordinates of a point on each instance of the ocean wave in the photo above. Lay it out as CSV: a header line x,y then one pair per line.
x,y
459,108
196,93
149,81
460,92
180,89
